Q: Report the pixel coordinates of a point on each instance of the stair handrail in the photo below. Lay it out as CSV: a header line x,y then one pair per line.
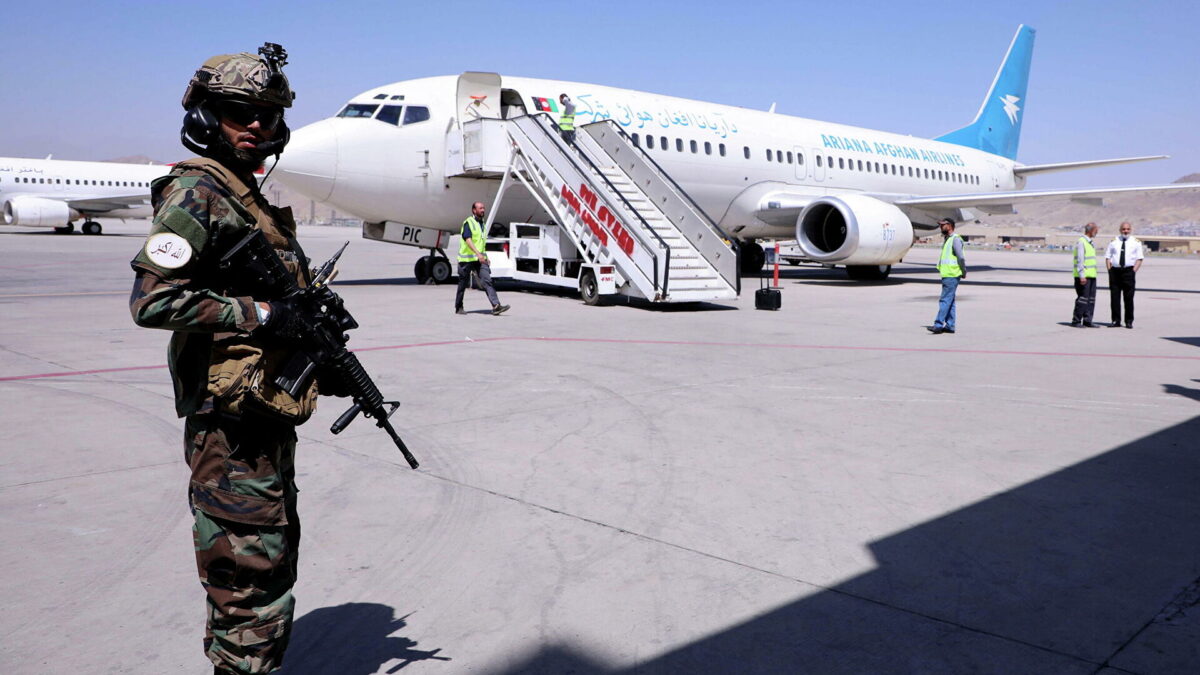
x,y
538,119
733,243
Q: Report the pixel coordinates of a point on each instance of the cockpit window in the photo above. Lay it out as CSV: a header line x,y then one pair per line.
x,y
415,113
358,110
390,114
379,97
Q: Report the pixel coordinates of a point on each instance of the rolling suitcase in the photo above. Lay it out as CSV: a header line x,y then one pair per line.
x,y
767,298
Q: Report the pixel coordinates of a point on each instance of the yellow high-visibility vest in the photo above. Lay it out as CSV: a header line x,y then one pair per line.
x,y
464,252
948,263
1088,267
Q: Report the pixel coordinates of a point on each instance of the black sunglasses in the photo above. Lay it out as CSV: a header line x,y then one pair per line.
x,y
245,114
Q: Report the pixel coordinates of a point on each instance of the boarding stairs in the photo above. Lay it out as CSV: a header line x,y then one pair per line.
x,y
618,207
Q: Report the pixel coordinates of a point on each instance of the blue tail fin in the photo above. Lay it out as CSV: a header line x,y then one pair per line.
x,y
997,127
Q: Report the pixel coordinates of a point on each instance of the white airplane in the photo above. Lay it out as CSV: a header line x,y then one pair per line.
x,y
850,196
55,193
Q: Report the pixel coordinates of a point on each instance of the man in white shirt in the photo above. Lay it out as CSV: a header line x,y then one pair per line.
x,y
1123,258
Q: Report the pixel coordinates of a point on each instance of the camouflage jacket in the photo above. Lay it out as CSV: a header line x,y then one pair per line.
x,y
179,285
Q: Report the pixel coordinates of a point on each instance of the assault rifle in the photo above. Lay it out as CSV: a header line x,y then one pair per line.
x,y
324,321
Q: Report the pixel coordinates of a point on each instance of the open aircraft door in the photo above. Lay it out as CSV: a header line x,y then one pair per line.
x,y
478,96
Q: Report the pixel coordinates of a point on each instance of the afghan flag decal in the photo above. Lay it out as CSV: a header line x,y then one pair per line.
x,y
545,104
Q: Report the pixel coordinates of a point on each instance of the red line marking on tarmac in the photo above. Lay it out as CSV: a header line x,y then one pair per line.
x,y
686,343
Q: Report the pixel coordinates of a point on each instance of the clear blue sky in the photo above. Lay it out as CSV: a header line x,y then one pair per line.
x,y
97,80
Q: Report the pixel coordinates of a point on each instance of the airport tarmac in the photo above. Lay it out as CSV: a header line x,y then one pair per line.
x,y
627,489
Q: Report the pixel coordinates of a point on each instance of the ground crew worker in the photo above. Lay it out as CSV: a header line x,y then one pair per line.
x,y
227,345
953,269
566,123
1085,278
472,259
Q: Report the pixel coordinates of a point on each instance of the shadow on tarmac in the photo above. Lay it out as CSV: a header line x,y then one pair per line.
x,y
1085,568
1178,390
1193,341
351,639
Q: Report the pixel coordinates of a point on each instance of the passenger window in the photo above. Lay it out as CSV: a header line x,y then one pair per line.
x,y
829,161
358,110
877,168
650,142
746,151
635,141
663,143
678,145
860,165
868,167
800,158
390,114
818,160
707,148
779,156
789,157
721,148
415,113
841,163
769,158
693,146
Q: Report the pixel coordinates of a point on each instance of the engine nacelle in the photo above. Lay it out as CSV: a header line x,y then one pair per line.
x,y
37,212
853,230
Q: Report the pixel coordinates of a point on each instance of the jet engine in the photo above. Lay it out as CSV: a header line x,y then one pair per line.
x,y
853,230
37,212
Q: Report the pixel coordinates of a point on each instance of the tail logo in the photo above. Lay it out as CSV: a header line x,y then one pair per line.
x,y
1010,107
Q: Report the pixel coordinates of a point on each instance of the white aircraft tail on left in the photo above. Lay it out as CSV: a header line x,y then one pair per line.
x,y
56,193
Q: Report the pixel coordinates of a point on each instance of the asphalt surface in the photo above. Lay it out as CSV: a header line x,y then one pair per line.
x,y
633,489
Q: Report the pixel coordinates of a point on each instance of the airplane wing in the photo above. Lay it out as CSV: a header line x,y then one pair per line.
x,y
1003,202
108,203
1030,169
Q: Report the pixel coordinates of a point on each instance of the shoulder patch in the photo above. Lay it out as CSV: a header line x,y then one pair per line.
x,y
168,250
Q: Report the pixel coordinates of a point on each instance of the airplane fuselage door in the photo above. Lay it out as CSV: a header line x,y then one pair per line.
x,y
478,96
801,163
818,164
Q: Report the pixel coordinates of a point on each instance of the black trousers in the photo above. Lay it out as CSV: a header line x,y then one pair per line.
x,y
1085,300
1120,286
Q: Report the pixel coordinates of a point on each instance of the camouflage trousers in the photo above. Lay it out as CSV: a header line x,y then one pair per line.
x,y
247,535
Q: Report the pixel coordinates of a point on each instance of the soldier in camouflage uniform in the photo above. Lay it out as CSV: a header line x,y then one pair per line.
x,y
227,344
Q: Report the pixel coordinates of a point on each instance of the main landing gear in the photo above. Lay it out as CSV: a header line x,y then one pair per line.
x,y
89,227
753,258
434,268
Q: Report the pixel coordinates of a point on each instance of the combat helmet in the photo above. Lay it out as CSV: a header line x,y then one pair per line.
x,y
243,76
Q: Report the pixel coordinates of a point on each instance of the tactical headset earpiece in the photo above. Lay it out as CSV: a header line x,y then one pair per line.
x,y
200,128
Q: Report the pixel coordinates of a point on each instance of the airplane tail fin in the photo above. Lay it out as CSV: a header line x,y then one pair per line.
x,y
997,126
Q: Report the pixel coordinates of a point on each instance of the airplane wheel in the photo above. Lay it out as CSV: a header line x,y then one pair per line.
x,y
753,258
92,227
421,269
439,270
589,290
868,272
65,229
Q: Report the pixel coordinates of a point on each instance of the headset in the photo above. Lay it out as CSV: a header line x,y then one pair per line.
x,y
201,126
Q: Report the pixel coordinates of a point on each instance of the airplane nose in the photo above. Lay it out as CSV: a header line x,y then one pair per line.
x,y
309,162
